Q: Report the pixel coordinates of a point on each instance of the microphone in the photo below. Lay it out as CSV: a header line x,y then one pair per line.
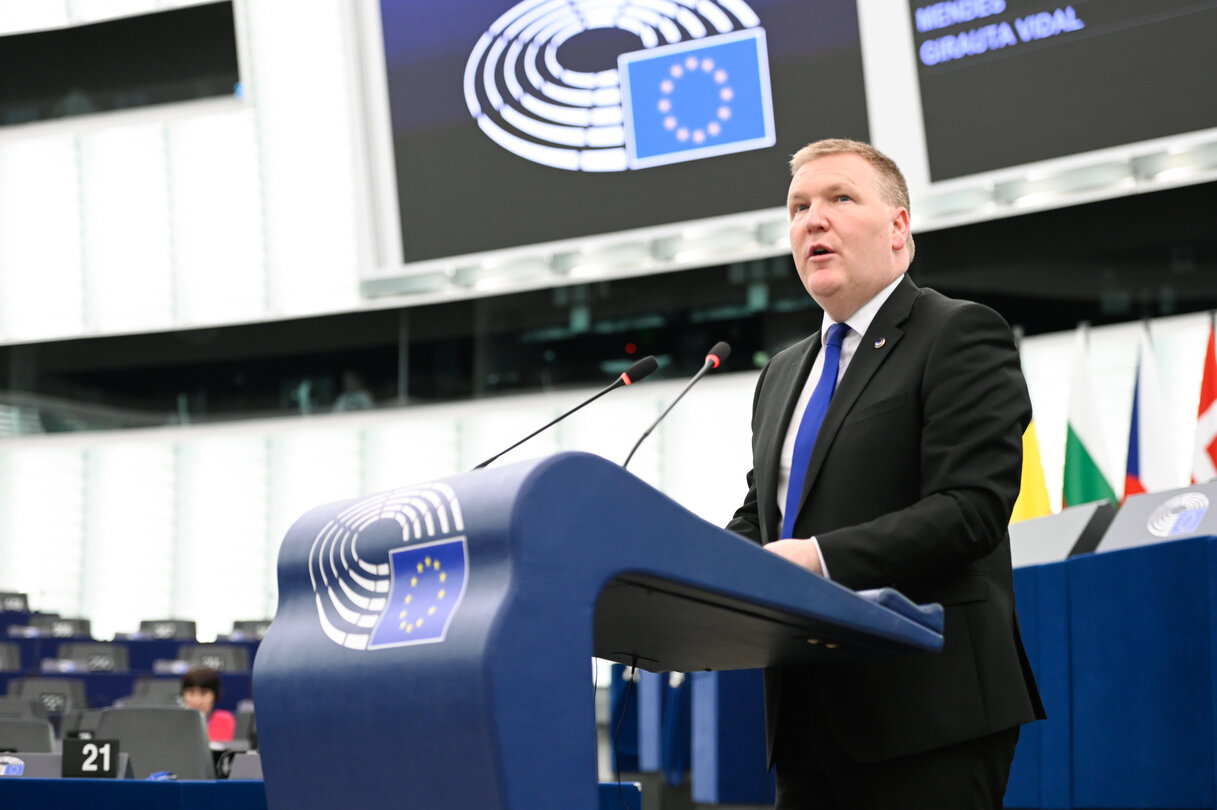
x,y
718,353
628,377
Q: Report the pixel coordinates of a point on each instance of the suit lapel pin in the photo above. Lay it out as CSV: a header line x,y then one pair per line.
x,y
879,343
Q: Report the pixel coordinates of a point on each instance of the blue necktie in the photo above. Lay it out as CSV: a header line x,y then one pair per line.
x,y
805,440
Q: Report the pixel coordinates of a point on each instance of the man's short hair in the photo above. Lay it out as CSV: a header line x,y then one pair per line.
x,y
891,180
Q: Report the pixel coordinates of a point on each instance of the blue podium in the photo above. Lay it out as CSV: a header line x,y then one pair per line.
x,y
432,644
1123,646
1043,550
1041,774
1144,653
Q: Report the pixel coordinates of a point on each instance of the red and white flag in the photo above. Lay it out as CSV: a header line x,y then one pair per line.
x,y
1204,467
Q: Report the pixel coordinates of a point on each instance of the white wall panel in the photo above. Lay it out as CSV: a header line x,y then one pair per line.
x,y
216,219
41,524
420,445
41,275
706,448
490,426
609,427
220,554
94,10
31,15
125,205
300,74
129,533
308,465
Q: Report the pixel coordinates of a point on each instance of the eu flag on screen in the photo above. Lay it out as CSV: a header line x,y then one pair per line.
x,y
428,581
697,99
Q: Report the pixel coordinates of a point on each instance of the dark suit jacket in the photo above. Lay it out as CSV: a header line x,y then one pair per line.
x,y
910,485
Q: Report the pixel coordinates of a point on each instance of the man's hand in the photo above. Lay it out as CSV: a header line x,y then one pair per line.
x,y
803,553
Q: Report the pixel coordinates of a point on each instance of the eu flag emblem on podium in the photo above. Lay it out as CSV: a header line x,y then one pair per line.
x,y
428,582
696,99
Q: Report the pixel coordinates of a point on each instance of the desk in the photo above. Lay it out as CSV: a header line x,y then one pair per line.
x,y
124,794
12,618
130,794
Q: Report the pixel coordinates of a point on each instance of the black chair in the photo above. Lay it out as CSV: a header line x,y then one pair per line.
x,y
49,624
80,723
19,707
176,629
55,695
14,602
26,734
127,701
251,629
160,738
246,766
220,657
10,657
247,724
158,691
96,656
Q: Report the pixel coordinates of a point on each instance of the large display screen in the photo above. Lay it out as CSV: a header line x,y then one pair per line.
x,y
536,121
1007,82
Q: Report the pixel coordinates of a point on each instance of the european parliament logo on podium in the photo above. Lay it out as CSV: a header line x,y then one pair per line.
x,y
390,570
697,99
1178,516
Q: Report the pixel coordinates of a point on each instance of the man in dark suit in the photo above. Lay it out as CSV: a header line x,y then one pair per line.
x,y
908,482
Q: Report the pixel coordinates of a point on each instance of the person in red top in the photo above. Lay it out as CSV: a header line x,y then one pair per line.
x,y
201,690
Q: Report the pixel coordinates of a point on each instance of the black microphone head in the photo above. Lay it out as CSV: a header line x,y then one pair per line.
x,y
718,353
640,369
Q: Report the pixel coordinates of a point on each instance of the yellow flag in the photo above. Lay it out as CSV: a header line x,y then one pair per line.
x,y
1033,497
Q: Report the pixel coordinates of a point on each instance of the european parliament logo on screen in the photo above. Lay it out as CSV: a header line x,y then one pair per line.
x,y
697,87
391,570
696,99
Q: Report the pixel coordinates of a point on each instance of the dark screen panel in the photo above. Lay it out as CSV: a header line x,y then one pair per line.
x,y
1006,82
170,56
461,192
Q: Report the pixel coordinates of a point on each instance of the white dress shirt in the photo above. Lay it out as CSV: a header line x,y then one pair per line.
x,y
858,323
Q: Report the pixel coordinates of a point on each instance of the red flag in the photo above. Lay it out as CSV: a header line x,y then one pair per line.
x,y
1204,468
